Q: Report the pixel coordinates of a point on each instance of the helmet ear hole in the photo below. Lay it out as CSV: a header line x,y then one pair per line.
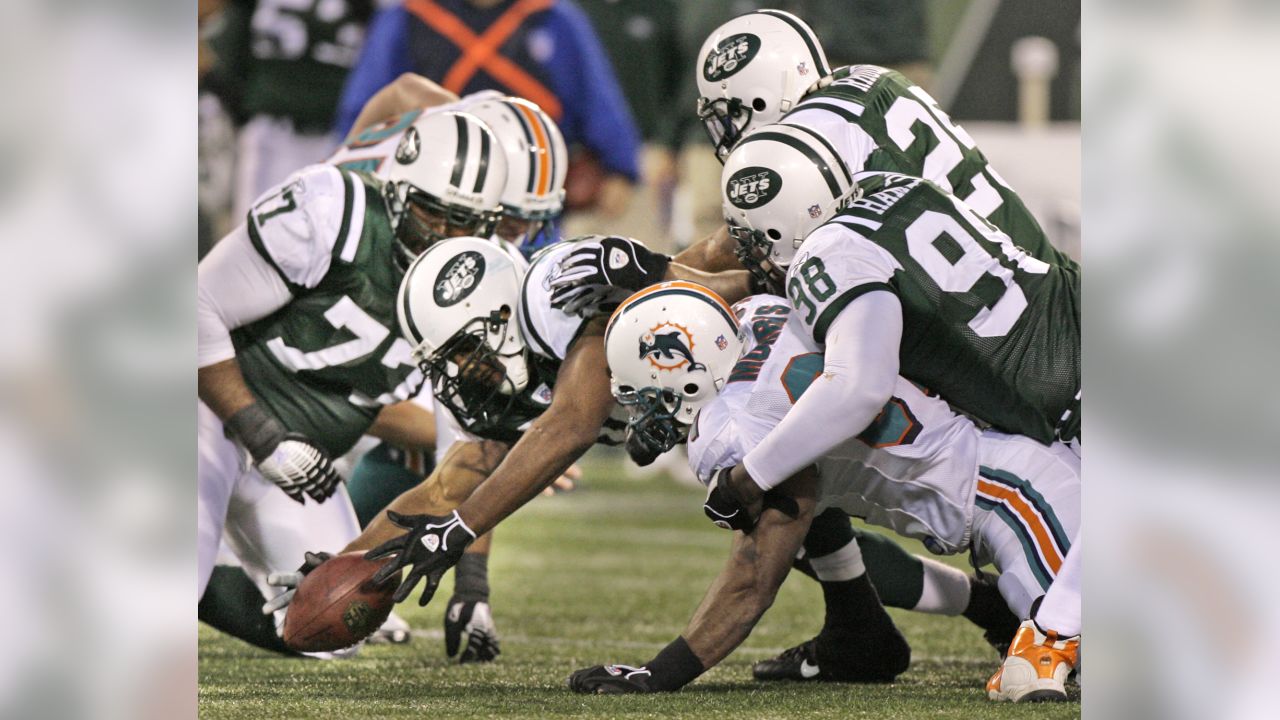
x,y
691,388
773,234
759,104
626,389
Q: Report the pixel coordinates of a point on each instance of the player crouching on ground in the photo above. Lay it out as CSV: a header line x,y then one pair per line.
x,y
684,364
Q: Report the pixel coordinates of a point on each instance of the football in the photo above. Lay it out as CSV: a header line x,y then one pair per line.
x,y
337,605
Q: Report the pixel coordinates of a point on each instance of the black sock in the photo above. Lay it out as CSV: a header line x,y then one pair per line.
x,y
233,604
860,641
471,578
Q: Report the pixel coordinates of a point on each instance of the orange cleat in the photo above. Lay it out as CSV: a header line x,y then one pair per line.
x,y
1036,668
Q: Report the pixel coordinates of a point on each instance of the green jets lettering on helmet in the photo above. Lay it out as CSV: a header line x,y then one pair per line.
x,y
752,187
731,55
458,278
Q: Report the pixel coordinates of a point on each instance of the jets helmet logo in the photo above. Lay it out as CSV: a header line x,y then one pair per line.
x,y
729,56
410,146
458,278
668,346
752,187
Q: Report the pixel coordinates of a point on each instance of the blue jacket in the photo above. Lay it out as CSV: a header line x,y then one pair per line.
x,y
570,62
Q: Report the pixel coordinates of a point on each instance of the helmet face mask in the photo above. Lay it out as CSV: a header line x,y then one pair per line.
x,y
652,427
753,248
725,121
477,381
422,220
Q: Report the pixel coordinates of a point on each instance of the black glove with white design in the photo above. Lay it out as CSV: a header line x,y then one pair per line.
x,y
594,274
469,628
433,544
611,680
723,507
290,460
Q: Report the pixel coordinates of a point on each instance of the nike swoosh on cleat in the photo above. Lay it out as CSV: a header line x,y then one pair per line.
x,y
808,669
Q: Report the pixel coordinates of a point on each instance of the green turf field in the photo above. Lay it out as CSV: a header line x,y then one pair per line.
x,y
609,573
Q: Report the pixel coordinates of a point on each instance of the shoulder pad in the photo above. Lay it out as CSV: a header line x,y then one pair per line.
x,y
297,225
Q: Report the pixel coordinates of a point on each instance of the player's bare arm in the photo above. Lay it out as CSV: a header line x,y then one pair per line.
x,y
408,92
735,602
223,389
569,427
464,468
407,425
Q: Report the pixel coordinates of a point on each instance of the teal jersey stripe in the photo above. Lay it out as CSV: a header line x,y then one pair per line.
x,y
1042,506
1043,576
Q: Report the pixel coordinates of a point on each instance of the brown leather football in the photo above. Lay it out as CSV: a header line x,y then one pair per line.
x,y
337,605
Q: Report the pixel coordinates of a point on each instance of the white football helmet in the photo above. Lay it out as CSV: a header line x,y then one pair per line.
x,y
670,348
778,185
457,306
752,70
445,180
537,161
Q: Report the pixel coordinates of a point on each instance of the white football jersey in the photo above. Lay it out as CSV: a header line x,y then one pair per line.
x,y
913,470
549,332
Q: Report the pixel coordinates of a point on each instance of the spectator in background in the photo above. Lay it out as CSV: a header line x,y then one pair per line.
x,y
285,78
643,40
542,50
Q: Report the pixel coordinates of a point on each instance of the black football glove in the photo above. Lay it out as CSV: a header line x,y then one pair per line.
x,y
611,680
290,581
433,544
290,460
600,269
724,508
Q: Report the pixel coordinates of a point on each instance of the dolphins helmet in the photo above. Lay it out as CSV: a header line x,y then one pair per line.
x,y
778,185
457,307
537,161
752,70
445,180
670,348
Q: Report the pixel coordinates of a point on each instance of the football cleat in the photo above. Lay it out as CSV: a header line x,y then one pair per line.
x,y
1036,668
876,660
988,610
799,663
469,632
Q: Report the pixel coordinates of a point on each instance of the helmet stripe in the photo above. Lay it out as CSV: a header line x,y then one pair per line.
x,y
805,150
460,159
528,138
810,39
848,177
544,146
677,287
483,171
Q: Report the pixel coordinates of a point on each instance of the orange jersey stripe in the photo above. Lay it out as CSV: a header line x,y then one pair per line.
x,y
1038,530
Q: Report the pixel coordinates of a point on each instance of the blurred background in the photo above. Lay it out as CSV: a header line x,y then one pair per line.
x,y
97,208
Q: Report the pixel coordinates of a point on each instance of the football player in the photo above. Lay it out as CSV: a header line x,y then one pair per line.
x,y
685,364
494,351
532,200
298,348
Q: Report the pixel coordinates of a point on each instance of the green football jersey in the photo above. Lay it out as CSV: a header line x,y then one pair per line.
x,y
876,119
301,52
326,362
991,329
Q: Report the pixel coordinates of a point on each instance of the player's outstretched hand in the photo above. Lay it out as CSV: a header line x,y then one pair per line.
x,y
601,268
432,545
290,581
611,680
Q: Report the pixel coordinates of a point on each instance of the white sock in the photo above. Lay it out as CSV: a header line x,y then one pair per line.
x,y
1060,609
843,564
946,589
